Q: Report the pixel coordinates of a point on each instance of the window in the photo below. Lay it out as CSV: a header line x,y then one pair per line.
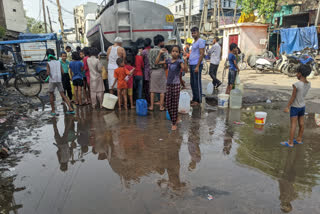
x,y
179,7
14,10
229,3
225,3
176,8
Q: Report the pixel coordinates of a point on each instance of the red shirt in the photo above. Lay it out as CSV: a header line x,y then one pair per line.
x,y
130,81
139,66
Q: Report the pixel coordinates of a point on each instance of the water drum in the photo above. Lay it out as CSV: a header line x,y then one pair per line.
x,y
141,107
109,101
223,100
260,118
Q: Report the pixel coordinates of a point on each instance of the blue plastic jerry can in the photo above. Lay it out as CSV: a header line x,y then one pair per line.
x,y
141,107
168,116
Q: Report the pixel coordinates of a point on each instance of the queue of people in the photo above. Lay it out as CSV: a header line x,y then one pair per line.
x,y
146,73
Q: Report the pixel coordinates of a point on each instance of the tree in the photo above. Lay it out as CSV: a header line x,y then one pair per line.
x,y
2,32
35,26
265,7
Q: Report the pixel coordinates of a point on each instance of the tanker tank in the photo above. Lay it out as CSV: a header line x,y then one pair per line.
x,y
131,20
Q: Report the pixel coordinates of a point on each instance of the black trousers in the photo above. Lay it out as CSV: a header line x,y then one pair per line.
x,y
67,85
213,73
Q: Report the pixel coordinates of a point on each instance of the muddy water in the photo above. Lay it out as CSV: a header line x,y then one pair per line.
x,y
116,162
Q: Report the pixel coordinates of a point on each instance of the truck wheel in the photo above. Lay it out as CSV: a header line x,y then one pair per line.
x,y
43,75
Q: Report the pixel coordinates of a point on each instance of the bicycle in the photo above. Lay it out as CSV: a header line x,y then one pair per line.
x,y
26,84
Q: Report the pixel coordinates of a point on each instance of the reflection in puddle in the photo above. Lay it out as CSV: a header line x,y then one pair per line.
x,y
118,157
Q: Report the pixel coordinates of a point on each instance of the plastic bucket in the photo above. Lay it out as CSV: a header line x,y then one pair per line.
x,y
109,101
141,107
223,100
260,118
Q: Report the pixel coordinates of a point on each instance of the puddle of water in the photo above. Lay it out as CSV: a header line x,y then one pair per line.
x,y
98,160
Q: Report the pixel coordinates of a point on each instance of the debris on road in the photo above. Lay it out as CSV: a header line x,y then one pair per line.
x,y
4,153
210,197
239,123
268,101
3,120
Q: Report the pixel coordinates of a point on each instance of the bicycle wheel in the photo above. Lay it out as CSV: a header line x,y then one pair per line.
x,y
205,68
28,86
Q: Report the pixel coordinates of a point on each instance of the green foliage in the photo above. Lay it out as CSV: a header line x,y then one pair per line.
x,y
35,26
2,32
265,7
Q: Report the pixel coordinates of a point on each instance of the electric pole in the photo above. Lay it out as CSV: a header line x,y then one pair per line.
x,y
214,14
184,22
219,6
205,14
189,19
49,19
317,18
44,17
61,25
235,12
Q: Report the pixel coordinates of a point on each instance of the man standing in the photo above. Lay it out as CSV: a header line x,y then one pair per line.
x,y
215,53
114,52
195,62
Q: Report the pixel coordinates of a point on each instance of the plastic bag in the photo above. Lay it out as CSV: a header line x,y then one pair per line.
x,y
209,88
237,82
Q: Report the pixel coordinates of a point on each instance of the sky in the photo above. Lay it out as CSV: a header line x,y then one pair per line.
x,y
33,7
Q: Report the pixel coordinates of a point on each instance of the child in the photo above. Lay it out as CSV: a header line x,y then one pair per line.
x,y
66,77
174,65
120,75
129,67
55,71
104,62
86,96
86,77
233,69
76,68
297,104
138,75
68,50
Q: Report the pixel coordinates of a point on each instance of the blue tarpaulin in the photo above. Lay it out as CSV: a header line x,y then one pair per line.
x,y
297,39
29,37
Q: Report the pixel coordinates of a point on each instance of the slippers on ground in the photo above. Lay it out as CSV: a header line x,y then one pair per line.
x,y
286,144
70,112
296,142
53,114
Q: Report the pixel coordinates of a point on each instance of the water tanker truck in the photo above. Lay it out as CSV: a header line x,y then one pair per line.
x,y
131,20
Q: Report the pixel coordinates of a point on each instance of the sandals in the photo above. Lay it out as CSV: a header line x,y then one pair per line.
x,y
286,144
296,142
70,112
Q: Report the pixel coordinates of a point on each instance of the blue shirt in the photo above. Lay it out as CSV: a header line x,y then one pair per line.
x,y
231,59
75,67
195,51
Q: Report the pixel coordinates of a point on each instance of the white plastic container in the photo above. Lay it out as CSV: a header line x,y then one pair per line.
x,y
235,99
184,102
210,88
260,118
109,101
223,100
240,87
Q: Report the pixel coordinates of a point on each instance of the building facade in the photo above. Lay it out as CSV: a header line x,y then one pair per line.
x,y
80,13
12,18
196,10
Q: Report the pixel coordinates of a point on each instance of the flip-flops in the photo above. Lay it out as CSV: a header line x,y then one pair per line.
x,y
70,112
286,144
296,142
53,114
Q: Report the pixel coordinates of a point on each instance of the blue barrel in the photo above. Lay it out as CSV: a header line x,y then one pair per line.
x,y
141,107
168,116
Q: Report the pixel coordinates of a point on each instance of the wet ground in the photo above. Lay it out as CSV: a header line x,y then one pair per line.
x,y
100,161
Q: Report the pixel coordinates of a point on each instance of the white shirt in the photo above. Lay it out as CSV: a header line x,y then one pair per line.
x,y
55,71
215,53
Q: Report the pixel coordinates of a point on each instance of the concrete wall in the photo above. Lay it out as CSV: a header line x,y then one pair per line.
x,y
14,15
249,38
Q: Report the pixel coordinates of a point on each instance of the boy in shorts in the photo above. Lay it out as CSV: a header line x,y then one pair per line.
x,y
55,72
297,106
233,69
